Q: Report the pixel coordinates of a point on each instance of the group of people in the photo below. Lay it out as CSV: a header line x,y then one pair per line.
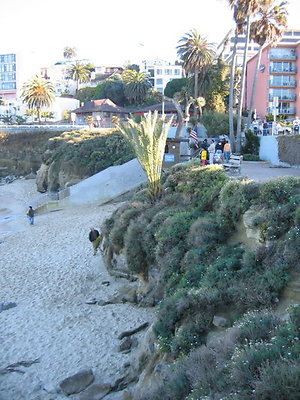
x,y
214,152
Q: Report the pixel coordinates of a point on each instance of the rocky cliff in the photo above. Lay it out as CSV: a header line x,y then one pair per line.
x,y
215,255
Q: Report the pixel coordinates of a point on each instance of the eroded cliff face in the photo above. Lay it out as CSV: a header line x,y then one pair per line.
x,y
21,162
58,175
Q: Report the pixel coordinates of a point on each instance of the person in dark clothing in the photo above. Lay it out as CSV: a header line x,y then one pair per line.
x,y
219,146
30,215
95,238
204,144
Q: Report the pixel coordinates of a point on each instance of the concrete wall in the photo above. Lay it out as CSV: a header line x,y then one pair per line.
x,y
108,184
268,150
35,128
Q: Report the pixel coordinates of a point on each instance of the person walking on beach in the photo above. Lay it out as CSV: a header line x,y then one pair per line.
x,y
95,238
30,215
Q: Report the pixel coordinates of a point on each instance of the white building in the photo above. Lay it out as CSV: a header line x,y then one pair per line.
x,y
58,74
161,72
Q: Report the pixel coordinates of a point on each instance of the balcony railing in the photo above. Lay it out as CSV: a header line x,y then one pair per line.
x,y
282,70
282,84
291,96
291,56
286,111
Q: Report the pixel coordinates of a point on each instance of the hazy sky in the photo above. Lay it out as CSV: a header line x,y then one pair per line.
x,y
116,31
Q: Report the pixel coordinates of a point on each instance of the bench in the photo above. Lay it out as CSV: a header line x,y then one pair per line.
x,y
234,163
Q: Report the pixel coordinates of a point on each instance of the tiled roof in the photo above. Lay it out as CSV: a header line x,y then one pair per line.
x,y
102,105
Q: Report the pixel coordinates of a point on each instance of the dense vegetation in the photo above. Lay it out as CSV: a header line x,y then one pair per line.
x,y
92,151
188,238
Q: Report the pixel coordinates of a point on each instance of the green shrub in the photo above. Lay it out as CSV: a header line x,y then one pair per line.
x,y
279,191
251,157
247,361
121,225
252,144
190,335
217,123
278,380
292,245
294,313
134,252
206,232
173,231
235,199
257,325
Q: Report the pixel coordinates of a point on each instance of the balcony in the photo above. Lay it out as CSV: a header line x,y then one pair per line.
x,y
284,111
283,84
283,70
290,56
289,97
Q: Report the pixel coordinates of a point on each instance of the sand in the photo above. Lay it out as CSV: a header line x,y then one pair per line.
x,y
49,271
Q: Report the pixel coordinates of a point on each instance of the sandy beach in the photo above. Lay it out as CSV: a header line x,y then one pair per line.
x,y
49,271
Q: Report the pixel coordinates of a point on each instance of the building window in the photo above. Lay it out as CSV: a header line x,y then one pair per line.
x,y
159,81
159,72
8,85
176,71
168,72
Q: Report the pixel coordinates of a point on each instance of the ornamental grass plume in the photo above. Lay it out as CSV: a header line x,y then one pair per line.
x,y
148,139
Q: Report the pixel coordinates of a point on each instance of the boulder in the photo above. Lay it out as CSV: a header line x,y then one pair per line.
x,y
219,322
78,382
42,178
97,391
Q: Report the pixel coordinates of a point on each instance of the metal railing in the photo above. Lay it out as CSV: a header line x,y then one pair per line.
x,y
281,83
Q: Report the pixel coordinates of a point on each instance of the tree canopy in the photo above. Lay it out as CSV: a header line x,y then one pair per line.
x,y
38,93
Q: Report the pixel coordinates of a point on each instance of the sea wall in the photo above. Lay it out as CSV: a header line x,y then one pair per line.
x,y
280,150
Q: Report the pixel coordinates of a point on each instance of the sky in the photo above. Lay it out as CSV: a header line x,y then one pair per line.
x,y
113,32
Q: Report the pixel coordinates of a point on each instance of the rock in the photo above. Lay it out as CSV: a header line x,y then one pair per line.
x,y
50,388
97,391
219,322
125,344
91,302
122,395
32,175
7,305
42,178
133,331
78,382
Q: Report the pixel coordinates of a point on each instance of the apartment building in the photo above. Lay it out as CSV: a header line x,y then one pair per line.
x,y
8,76
161,72
290,36
278,80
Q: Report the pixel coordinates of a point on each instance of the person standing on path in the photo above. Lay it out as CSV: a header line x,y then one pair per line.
x,y
95,238
227,151
30,215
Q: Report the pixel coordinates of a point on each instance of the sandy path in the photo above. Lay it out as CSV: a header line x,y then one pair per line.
x,y
48,269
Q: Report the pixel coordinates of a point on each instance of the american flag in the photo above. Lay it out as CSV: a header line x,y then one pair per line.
x,y
193,135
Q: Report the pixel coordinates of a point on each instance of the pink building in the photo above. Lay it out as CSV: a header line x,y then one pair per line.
x,y
279,76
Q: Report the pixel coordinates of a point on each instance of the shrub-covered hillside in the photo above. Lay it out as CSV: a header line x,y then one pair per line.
x,y
91,151
187,247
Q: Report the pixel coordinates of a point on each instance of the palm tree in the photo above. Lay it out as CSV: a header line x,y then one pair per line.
x,y
266,30
79,73
148,139
243,11
136,85
69,52
196,53
38,93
